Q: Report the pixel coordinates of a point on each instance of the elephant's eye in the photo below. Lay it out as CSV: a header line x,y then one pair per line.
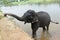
x,y
29,17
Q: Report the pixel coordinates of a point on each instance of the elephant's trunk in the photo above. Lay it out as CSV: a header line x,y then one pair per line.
x,y
18,18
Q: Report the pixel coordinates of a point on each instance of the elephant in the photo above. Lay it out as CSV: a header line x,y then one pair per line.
x,y
37,19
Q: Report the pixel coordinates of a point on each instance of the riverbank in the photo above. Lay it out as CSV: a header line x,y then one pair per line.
x,y
20,2
10,31
36,2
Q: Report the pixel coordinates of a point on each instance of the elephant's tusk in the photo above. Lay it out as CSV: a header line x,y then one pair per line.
x,y
35,21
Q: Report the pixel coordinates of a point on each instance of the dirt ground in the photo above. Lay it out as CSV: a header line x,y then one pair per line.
x,y
10,31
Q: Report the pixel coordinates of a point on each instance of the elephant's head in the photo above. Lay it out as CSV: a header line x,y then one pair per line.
x,y
30,16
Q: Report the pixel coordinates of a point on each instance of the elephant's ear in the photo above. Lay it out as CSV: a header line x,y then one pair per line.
x,y
33,13
35,19
34,16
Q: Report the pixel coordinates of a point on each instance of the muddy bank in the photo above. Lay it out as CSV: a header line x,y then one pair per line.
x,y
10,31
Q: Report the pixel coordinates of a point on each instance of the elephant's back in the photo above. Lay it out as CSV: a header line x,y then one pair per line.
x,y
42,13
44,17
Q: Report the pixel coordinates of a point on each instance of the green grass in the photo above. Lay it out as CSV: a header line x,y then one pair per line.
x,y
1,15
31,2
36,2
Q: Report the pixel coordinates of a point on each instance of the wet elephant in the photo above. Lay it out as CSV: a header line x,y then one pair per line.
x,y
37,19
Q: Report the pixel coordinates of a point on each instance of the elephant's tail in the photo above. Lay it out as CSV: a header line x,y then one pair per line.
x,y
55,22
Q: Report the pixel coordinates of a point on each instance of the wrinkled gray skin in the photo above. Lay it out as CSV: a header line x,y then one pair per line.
x,y
37,19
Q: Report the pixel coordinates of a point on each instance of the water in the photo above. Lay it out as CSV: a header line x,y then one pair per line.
x,y
52,9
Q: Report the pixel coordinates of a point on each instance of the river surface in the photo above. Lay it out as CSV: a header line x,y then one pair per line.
x,y
52,9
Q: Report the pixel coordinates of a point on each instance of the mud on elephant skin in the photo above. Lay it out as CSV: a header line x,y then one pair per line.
x,y
37,19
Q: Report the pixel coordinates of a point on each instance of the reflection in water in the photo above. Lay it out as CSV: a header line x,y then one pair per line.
x,y
45,36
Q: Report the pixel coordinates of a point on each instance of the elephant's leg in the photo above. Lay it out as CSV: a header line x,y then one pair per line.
x,y
34,29
34,33
44,28
47,27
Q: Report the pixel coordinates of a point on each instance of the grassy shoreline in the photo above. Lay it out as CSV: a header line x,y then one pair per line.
x,y
37,2
23,2
1,15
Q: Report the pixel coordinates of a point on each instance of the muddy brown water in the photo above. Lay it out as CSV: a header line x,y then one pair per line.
x,y
52,9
